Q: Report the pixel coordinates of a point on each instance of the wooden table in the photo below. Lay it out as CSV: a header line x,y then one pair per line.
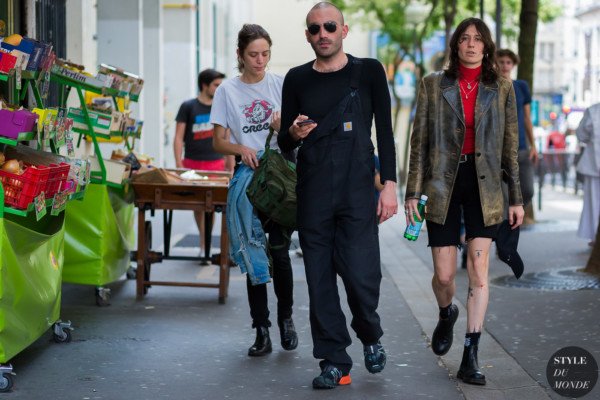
x,y
204,195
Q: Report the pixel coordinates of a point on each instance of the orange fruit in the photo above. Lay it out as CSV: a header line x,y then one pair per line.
x,y
14,39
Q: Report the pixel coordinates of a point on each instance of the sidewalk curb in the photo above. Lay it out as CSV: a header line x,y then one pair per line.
x,y
505,377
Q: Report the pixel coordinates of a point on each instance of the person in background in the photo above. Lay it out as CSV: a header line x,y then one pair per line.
x,y
248,105
328,108
588,134
556,145
507,60
193,133
459,165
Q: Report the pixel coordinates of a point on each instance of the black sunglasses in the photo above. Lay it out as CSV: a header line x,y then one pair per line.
x,y
330,27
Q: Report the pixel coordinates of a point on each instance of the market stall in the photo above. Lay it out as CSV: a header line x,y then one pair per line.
x,y
35,187
166,190
98,244
31,260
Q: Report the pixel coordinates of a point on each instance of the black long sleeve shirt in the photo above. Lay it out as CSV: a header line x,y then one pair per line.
x,y
314,94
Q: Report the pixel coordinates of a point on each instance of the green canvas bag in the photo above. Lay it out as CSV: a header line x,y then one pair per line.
x,y
272,189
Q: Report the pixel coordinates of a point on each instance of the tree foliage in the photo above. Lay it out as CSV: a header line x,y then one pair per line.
x,y
406,38
511,11
389,17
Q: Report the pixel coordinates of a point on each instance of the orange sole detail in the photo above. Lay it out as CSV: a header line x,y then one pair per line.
x,y
345,380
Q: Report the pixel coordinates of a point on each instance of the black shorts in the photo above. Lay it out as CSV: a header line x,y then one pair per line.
x,y
465,204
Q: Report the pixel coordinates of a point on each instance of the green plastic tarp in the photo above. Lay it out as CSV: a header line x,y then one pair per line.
x,y
31,260
99,235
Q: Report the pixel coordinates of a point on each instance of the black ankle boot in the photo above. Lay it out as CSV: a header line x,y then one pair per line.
x,y
287,331
262,344
469,368
441,341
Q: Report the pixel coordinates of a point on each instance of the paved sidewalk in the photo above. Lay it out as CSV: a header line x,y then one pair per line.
x,y
179,343
506,379
527,325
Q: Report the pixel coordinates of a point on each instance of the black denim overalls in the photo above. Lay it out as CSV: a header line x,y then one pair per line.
x,y
337,226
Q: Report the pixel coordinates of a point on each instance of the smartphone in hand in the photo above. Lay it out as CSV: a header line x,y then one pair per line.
x,y
305,122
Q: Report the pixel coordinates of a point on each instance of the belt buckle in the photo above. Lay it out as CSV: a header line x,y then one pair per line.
x,y
462,159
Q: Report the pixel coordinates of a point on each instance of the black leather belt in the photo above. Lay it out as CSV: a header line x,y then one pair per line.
x,y
466,157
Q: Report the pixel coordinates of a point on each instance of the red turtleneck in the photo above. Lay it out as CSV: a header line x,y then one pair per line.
x,y
469,76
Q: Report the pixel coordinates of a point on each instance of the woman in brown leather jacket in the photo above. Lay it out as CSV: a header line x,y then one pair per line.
x,y
464,143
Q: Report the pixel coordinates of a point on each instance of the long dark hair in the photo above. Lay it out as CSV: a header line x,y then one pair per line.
x,y
489,72
246,35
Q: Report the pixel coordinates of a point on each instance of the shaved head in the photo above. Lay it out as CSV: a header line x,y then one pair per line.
x,y
325,5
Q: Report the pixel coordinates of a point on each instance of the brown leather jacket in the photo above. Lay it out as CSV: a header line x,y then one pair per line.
x,y
437,139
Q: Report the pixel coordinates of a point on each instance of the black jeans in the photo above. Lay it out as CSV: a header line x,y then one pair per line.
x,y
283,281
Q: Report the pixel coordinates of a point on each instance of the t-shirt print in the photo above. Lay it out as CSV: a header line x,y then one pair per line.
x,y
256,116
202,128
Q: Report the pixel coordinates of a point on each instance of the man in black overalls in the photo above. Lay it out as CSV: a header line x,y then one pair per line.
x,y
338,211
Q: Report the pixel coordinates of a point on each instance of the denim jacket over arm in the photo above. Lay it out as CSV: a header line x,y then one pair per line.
x,y
247,240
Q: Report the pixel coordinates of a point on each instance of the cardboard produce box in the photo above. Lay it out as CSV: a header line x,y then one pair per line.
x,y
100,122
116,171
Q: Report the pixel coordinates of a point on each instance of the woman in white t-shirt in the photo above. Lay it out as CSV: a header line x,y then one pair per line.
x,y
248,105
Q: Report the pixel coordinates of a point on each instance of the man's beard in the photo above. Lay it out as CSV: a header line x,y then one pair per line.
x,y
330,53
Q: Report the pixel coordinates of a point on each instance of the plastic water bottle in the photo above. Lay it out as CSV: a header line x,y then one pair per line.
x,y
412,231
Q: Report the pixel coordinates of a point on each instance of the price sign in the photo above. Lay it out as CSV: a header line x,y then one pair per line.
x,y
59,138
88,170
45,85
59,203
46,131
39,203
18,75
69,139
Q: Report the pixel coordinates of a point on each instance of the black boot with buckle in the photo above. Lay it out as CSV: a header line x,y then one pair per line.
x,y
262,345
469,367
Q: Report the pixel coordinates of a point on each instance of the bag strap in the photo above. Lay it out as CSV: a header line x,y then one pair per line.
x,y
268,143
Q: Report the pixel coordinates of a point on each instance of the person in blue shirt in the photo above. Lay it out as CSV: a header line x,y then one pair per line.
x,y
507,60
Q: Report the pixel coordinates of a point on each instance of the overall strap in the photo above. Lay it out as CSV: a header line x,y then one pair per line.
x,y
334,117
355,77
354,83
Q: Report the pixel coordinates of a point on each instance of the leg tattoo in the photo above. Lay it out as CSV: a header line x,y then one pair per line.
x,y
477,301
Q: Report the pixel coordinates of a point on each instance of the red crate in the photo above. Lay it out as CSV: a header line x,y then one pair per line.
x,y
56,179
20,190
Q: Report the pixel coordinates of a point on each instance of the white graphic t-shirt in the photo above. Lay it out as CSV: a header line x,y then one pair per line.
x,y
247,109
